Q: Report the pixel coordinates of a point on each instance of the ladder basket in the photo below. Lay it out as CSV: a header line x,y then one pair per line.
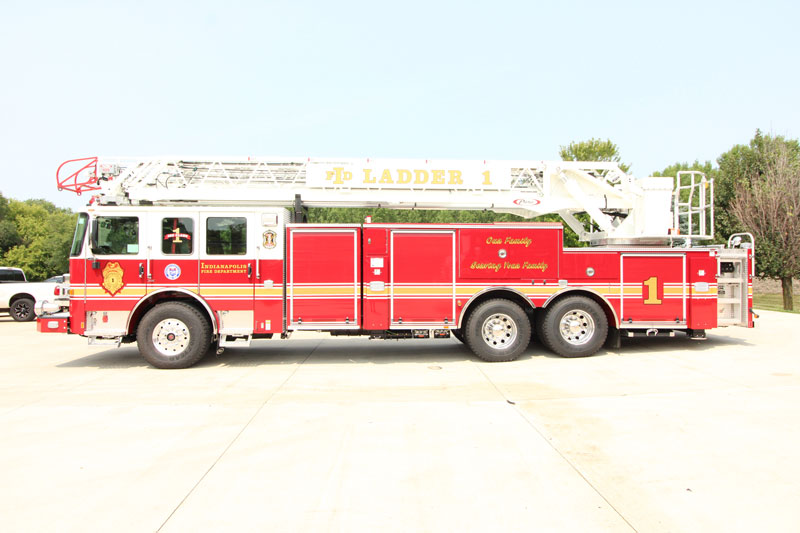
x,y
82,179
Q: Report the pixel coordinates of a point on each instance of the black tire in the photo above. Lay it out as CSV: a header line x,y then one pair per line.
x,y
183,335
498,330
538,322
22,310
574,326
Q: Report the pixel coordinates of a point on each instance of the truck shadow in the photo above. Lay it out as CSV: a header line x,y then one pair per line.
x,y
360,351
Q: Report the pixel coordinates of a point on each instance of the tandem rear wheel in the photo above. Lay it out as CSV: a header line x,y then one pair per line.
x,y
498,330
575,326
173,335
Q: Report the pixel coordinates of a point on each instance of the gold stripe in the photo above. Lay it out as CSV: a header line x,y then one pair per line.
x,y
419,291
99,291
269,292
316,291
230,291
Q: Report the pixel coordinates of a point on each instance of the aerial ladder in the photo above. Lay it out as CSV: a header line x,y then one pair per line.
x,y
597,200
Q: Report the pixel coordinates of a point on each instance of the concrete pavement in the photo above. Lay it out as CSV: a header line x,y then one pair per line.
x,y
338,434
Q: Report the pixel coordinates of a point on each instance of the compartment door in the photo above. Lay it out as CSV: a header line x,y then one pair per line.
x,y
423,283
654,291
324,278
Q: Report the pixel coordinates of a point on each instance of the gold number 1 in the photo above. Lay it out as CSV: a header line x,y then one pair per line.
x,y
652,291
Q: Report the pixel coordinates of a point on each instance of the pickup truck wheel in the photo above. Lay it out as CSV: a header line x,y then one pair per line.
x,y
22,310
574,327
498,330
173,335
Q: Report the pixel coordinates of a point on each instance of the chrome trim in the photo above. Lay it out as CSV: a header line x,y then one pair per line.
x,y
214,328
472,298
649,325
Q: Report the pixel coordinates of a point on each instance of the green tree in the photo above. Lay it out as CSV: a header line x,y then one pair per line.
x,y
9,236
42,237
348,215
758,191
593,150
671,171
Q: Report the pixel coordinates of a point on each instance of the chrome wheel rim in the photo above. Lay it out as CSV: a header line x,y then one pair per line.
x,y
499,331
576,327
171,337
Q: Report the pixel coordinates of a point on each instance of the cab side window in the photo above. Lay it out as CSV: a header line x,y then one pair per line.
x,y
177,236
117,236
11,276
226,236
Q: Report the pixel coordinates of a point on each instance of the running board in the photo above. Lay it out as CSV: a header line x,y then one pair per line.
x,y
226,341
105,341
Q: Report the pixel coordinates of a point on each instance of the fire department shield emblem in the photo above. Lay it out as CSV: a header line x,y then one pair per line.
x,y
270,239
112,278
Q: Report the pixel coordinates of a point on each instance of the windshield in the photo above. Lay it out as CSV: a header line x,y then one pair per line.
x,y
80,233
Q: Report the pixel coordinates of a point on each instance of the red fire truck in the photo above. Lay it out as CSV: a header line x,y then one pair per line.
x,y
184,255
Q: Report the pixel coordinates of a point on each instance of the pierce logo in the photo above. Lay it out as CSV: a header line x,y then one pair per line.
x,y
172,271
527,201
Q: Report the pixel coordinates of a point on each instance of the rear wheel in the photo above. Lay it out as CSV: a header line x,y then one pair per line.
x,y
22,310
173,335
574,327
498,330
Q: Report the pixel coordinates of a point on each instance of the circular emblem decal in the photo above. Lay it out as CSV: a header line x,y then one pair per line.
x,y
172,271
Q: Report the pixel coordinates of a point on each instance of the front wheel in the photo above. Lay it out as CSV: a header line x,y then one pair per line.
x,y
173,335
22,310
575,326
498,330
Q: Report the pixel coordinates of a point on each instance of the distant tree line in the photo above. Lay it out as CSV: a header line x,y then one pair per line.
x,y
35,236
757,190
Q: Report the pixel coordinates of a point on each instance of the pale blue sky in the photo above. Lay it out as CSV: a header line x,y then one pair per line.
x,y
665,81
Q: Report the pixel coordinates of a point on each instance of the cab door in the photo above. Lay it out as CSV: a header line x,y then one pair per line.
x,y
115,272
227,268
173,251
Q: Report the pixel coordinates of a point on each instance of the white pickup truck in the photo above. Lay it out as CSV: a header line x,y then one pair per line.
x,y
19,296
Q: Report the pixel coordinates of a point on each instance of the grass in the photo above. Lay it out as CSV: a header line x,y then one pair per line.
x,y
773,302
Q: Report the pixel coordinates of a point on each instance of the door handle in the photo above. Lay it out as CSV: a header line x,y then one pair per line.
x,y
250,270
141,270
